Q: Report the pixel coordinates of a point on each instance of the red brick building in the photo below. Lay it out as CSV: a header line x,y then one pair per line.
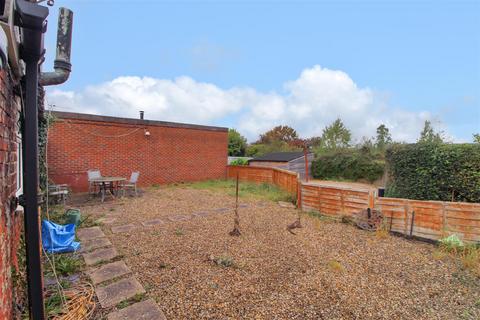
x,y
163,152
11,219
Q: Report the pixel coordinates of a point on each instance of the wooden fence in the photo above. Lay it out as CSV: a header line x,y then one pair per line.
x,y
284,179
430,220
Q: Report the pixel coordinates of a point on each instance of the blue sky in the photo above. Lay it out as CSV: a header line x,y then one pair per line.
x,y
254,64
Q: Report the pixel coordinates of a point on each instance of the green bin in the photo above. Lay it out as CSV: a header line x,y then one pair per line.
x,y
73,216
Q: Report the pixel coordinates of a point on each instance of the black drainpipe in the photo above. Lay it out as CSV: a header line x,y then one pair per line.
x,y
31,18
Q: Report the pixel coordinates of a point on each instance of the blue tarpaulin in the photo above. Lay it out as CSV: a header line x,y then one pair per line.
x,y
57,238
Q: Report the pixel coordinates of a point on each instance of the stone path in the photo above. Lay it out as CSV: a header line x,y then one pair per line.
x,y
98,253
120,284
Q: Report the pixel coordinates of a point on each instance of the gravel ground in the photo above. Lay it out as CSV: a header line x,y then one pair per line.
x,y
326,271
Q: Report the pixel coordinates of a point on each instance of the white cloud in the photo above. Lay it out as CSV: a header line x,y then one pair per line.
x,y
314,100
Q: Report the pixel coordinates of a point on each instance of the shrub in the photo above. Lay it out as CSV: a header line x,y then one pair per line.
x,y
350,164
239,162
442,172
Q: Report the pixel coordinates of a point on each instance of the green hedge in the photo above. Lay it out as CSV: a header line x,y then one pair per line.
x,y
348,164
434,172
239,162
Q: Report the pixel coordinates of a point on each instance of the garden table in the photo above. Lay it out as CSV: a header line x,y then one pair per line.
x,y
108,184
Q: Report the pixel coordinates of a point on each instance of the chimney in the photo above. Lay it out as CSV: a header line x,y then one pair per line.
x,y
141,114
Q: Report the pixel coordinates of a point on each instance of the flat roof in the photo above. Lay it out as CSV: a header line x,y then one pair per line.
x,y
279,156
94,117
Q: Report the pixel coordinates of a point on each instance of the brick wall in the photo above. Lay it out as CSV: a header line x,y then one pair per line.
x,y
117,146
11,222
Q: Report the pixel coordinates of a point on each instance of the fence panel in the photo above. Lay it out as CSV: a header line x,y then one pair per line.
x,y
284,179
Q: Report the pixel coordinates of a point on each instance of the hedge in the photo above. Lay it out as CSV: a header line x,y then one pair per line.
x,y
443,172
348,164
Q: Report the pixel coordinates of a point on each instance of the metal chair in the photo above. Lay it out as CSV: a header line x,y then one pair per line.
x,y
92,185
132,183
58,192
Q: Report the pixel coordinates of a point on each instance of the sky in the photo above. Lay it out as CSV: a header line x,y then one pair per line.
x,y
252,65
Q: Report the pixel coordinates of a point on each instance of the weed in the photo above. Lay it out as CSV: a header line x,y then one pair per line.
x,y
136,298
382,231
88,222
223,261
470,258
179,232
65,264
439,254
336,266
320,216
53,304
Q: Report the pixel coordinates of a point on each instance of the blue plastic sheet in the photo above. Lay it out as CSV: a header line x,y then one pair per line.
x,y
57,238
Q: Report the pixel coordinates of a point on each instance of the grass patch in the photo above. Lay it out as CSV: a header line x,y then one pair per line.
x,y
179,232
245,189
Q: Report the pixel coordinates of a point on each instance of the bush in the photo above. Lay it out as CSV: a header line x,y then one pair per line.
x,y
434,172
239,162
348,164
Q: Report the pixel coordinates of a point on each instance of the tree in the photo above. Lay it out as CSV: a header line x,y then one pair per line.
x,y
279,133
476,137
383,137
336,135
428,135
237,144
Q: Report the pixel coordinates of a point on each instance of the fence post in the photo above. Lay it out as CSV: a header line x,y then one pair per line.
x,y
405,212
371,199
342,203
444,220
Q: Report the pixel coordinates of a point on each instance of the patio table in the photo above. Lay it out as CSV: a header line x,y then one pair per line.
x,y
108,184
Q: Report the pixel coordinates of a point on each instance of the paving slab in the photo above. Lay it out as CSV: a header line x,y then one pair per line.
x,y
223,210
124,228
116,292
288,205
108,271
145,310
98,255
89,245
180,217
90,233
150,223
201,214
107,220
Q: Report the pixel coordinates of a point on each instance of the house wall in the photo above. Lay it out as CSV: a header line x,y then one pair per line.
x,y
171,153
11,221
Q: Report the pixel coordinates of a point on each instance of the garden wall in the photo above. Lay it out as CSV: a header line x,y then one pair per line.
x,y
170,152
284,179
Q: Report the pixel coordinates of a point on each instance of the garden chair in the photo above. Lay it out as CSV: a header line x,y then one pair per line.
x,y
132,183
58,192
92,186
